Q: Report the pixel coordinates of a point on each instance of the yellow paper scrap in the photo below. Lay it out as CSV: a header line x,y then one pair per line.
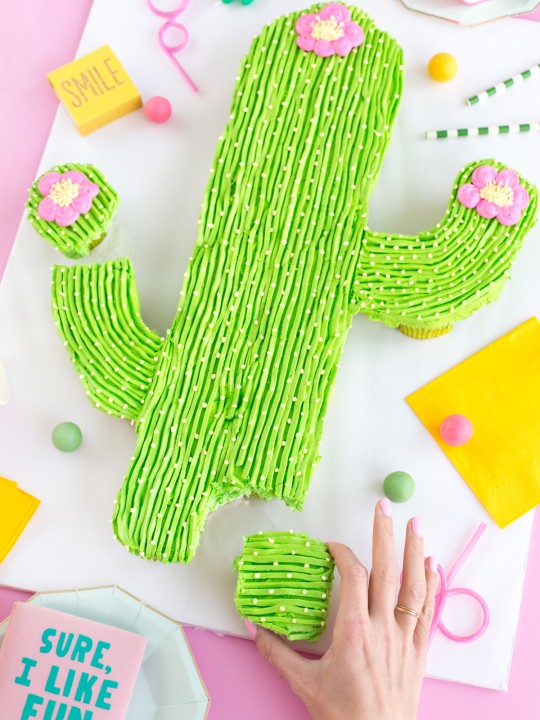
x,y
498,389
95,89
16,509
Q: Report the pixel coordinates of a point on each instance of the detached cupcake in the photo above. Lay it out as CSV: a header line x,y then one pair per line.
x,y
72,206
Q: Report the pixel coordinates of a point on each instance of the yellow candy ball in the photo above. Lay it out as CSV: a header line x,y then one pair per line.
x,y
442,67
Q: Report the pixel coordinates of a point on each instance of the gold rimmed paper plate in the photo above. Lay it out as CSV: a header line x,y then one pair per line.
x,y
465,14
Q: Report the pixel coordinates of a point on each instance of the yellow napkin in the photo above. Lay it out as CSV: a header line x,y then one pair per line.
x,y
16,509
498,389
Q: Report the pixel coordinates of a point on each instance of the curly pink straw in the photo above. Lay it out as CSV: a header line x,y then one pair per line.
x,y
445,592
170,50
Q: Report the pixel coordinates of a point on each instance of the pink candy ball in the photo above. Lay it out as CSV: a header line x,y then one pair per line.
x,y
456,430
157,109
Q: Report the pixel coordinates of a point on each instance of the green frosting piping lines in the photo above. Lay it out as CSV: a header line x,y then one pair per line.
x,y
78,239
232,402
284,583
96,310
445,274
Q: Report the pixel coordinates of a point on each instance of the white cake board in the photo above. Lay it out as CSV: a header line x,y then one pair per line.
x,y
161,172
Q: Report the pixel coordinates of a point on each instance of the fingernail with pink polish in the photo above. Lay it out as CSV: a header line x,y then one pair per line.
x,y
417,527
251,628
432,563
386,507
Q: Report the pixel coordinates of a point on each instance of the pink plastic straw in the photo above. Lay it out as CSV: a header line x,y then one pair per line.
x,y
168,49
445,592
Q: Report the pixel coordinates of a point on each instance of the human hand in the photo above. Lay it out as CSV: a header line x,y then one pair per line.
x,y
374,668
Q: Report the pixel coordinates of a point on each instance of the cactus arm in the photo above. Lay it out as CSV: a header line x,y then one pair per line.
x,y
96,310
428,282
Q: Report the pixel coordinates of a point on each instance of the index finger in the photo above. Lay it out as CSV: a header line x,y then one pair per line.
x,y
353,600
384,574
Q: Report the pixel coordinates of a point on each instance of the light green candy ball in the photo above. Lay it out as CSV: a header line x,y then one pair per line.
x,y
399,486
67,437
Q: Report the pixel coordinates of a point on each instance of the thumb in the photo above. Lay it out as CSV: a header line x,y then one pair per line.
x,y
297,670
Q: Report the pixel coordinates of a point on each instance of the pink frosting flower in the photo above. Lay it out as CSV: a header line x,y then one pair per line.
x,y
67,195
329,32
495,195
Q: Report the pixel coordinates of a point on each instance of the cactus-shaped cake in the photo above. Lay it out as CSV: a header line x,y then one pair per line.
x,y
232,401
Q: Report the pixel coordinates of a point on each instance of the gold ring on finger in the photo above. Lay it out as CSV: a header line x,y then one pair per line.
x,y
408,611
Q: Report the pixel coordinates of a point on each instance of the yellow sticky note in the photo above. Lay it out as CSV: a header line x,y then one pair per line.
x,y
498,389
16,509
95,89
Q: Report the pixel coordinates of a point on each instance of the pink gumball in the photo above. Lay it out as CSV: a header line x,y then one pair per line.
x,y
157,109
456,430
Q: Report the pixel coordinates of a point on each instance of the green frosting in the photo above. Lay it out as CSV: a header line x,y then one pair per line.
x,y
232,402
96,309
445,274
78,239
284,583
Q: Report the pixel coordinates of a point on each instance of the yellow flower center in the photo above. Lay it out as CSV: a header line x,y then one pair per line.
x,y
329,29
64,192
497,193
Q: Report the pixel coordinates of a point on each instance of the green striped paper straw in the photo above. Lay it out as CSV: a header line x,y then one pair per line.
x,y
474,132
502,87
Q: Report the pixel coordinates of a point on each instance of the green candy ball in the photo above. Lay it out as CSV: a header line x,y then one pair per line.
x,y
67,437
399,486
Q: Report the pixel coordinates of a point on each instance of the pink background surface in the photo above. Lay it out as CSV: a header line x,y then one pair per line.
x,y
36,37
